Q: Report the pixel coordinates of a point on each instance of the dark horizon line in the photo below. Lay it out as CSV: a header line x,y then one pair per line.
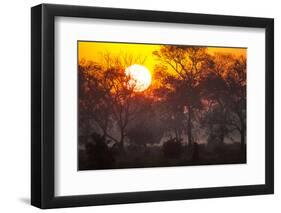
x,y
166,166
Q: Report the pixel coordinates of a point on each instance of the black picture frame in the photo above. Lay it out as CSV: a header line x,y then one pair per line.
x,y
43,102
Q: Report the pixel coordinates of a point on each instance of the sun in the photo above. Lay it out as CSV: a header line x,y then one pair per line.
x,y
140,77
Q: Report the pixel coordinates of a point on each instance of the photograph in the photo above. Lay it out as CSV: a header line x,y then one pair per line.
x,y
160,105
135,105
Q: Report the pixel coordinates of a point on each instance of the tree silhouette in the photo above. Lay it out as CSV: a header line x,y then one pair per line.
x,y
94,110
224,89
148,128
196,96
237,87
183,72
107,95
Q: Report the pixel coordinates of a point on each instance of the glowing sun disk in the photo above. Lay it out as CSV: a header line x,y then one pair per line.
x,y
140,77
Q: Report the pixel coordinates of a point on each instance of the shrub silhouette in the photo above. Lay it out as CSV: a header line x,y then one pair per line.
x,y
172,148
195,152
98,154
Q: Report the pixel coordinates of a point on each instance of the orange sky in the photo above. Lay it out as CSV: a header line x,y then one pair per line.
x,y
93,51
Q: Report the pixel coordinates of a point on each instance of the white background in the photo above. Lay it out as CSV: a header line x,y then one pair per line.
x,y
15,107
70,182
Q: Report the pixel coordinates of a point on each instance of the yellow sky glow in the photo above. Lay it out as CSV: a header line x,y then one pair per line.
x,y
89,50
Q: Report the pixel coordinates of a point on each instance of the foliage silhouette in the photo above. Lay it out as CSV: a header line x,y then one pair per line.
x,y
193,113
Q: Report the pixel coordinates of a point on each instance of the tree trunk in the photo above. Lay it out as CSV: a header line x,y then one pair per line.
x,y
242,138
176,133
121,142
242,134
222,134
221,138
189,128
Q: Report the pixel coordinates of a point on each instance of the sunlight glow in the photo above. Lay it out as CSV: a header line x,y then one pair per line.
x,y
140,77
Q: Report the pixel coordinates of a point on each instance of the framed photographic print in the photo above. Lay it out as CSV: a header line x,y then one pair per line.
x,y
140,106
